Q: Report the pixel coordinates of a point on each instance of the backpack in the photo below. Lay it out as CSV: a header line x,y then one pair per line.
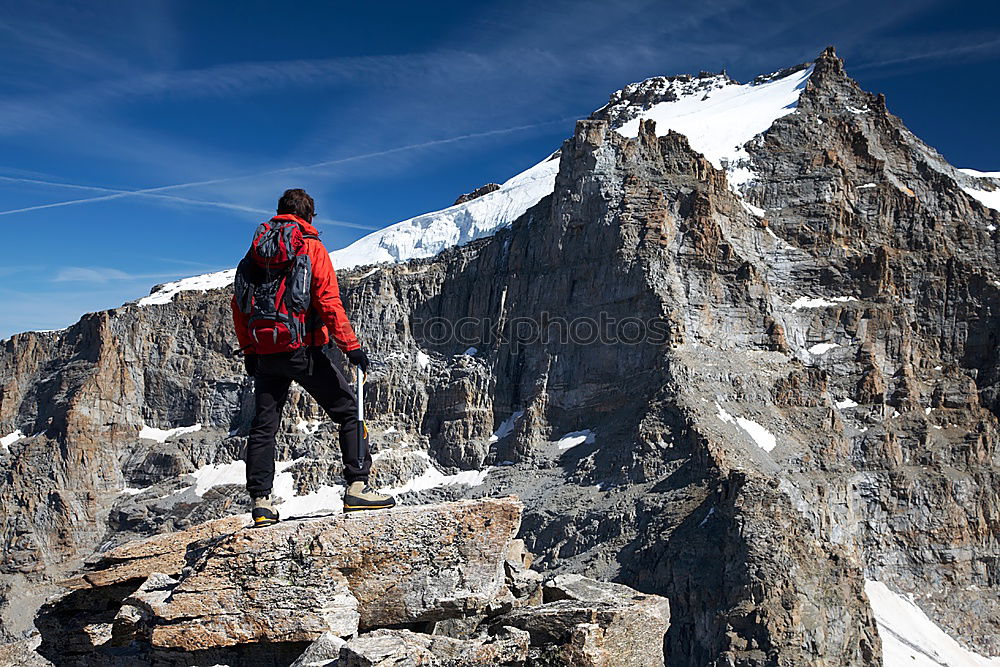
x,y
273,286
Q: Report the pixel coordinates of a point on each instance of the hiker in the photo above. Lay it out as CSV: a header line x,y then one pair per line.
x,y
286,308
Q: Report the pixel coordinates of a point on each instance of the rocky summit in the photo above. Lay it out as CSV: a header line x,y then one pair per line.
x,y
737,349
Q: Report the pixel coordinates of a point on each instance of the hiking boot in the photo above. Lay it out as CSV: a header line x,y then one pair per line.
x,y
360,496
264,513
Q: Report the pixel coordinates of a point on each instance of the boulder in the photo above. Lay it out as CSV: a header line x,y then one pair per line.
x,y
246,599
325,650
588,623
578,587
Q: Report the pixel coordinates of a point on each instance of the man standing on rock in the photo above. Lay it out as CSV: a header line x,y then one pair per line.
x,y
286,307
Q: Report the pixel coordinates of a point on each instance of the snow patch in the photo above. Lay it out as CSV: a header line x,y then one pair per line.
x,y
506,426
816,302
764,438
422,359
856,110
981,174
325,498
161,435
753,210
234,472
575,438
308,426
845,403
822,348
432,478
988,198
910,638
867,185
760,435
10,439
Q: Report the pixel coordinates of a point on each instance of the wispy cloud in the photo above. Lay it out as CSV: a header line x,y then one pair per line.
x,y
157,192
913,54
244,79
104,274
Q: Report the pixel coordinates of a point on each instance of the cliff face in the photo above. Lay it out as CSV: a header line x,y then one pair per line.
x,y
748,400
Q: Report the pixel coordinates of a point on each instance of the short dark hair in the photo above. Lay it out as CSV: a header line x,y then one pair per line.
x,y
297,202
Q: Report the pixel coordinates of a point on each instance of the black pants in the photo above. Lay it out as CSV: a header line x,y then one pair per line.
x,y
312,369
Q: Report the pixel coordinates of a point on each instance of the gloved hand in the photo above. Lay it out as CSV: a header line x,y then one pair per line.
x,y
359,358
250,363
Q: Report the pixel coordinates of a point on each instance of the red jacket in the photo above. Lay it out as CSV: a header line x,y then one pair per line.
x,y
325,300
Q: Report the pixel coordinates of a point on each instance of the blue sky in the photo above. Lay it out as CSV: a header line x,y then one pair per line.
x,y
182,122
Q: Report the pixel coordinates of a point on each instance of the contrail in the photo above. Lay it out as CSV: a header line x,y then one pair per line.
x,y
154,192
184,200
119,192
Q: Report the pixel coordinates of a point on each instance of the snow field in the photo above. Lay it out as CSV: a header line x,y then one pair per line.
x,y
718,122
911,639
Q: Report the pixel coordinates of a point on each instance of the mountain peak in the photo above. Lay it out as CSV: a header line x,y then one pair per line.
x,y
829,64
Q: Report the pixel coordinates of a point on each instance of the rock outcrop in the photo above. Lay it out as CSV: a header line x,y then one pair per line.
x,y
403,647
223,583
813,401
477,193
435,584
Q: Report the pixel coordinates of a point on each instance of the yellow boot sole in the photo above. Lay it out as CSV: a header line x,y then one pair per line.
x,y
358,508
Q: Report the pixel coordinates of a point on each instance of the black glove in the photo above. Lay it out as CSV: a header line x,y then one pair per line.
x,y
359,358
250,363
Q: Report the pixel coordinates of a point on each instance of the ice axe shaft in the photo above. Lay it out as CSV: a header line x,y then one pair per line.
x,y
359,379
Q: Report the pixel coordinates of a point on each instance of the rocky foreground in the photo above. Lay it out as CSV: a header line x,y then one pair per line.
x,y
443,584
